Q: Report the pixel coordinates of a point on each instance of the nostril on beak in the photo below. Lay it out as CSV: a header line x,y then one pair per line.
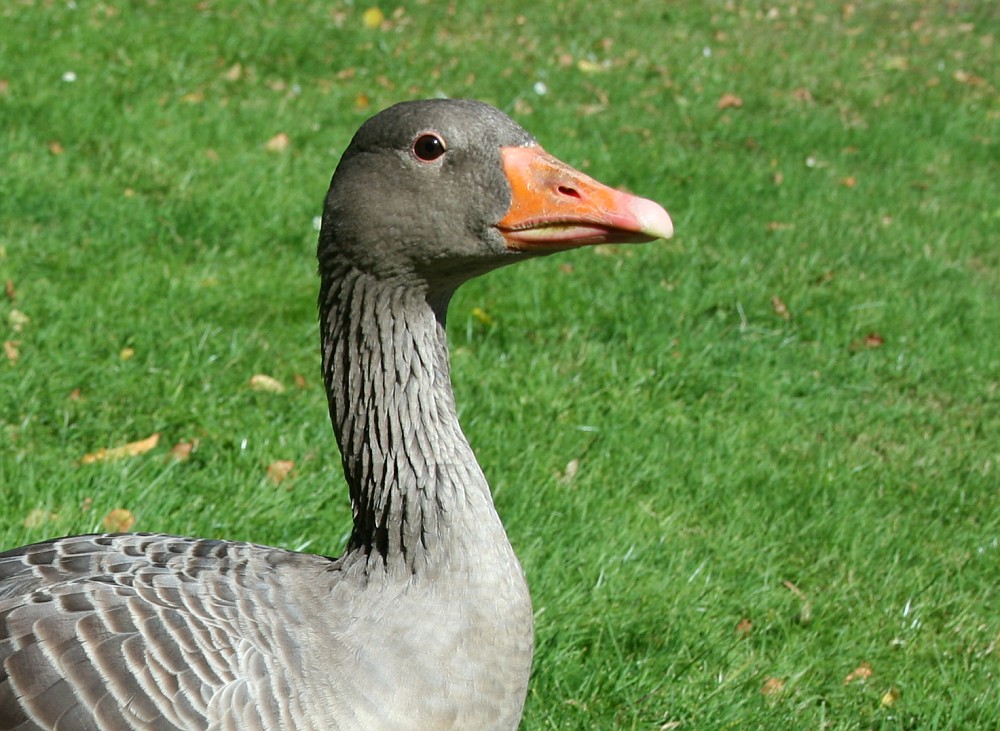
x,y
571,192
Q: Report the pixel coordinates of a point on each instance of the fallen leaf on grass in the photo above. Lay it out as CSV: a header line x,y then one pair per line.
x,y
849,182
780,308
802,95
38,517
779,226
805,611
182,450
279,143
8,289
963,77
56,148
897,63
482,316
300,381
871,341
10,349
890,697
127,353
75,395
234,72
729,101
279,470
572,467
17,320
744,627
372,18
592,67
118,520
261,382
132,449
772,686
862,672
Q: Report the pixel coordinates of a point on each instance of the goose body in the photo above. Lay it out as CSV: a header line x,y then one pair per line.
x,y
425,621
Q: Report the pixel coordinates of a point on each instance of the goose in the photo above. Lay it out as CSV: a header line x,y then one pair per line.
x,y
425,621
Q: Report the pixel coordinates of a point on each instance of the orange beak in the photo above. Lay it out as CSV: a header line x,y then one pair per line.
x,y
555,206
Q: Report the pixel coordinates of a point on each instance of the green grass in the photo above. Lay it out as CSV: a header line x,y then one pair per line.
x,y
724,453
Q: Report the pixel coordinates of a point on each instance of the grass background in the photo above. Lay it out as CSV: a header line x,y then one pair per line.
x,y
723,510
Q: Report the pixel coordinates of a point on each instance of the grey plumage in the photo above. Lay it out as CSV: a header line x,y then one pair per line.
x,y
425,621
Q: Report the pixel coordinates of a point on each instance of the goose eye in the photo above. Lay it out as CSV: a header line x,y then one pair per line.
x,y
428,147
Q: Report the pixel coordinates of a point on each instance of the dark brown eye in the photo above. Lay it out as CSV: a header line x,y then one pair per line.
x,y
428,147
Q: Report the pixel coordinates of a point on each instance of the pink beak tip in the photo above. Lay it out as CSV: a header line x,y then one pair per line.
x,y
652,218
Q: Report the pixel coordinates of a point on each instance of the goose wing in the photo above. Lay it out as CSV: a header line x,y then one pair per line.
x,y
148,632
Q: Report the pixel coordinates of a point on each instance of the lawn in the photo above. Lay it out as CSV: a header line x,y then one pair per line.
x,y
753,473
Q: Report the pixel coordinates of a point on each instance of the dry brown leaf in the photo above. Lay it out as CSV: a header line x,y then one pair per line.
x,y
963,77
744,627
862,672
897,63
194,97
300,380
75,395
522,107
277,471
279,143
118,520
780,308
182,450
729,101
88,503
592,67
362,102
849,182
803,95
871,341
8,288
132,449
267,384
4,86
10,349
778,226
778,178
39,517
56,148
234,72
772,686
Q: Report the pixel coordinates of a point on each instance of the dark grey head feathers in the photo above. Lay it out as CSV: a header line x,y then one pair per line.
x,y
421,212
